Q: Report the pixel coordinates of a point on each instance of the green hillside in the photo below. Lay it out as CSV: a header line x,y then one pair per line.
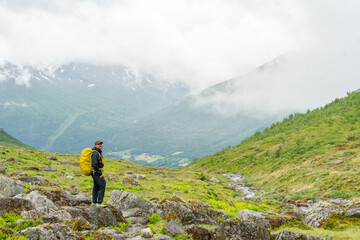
x,y
7,139
63,172
305,156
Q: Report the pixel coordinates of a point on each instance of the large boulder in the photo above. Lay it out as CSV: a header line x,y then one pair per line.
x,y
321,211
266,220
236,229
56,217
49,231
100,217
177,209
39,201
174,228
137,215
122,200
253,216
289,235
10,187
14,205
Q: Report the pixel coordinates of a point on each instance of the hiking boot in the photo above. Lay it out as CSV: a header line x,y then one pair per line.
x,y
93,204
101,205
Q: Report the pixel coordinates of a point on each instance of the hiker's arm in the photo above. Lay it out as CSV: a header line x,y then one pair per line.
x,y
95,163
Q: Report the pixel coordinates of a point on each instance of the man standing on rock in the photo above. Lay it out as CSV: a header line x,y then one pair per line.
x,y
97,175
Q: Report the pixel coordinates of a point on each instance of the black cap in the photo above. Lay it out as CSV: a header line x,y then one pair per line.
x,y
98,142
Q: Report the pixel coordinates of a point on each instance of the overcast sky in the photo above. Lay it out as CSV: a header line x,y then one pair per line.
x,y
199,42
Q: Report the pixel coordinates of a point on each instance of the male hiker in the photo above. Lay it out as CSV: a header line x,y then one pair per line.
x,y
97,175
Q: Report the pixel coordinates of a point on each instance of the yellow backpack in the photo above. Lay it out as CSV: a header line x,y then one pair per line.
x,y
85,161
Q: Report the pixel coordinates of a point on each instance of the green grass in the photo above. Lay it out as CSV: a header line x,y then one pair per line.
x,y
290,159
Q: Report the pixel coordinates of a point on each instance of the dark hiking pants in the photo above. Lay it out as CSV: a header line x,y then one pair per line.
x,y
99,189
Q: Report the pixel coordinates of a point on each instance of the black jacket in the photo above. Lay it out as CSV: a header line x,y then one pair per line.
x,y
96,162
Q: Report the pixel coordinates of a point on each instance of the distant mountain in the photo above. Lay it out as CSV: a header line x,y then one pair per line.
x,y
66,108
304,156
203,123
141,119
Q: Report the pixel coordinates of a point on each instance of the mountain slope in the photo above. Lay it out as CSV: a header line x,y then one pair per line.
x,y
7,139
304,156
65,108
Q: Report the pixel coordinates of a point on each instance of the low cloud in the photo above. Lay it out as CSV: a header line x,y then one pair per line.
x,y
197,42
200,43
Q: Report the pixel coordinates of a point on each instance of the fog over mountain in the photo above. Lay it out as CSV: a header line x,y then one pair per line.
x,y
199,43
221,60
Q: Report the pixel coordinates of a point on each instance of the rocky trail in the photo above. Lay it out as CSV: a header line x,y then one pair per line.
x,y
71,216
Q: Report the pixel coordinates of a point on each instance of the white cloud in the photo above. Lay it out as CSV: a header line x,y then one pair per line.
x,y
198,42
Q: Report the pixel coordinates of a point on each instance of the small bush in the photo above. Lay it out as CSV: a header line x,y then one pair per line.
x,y
154,218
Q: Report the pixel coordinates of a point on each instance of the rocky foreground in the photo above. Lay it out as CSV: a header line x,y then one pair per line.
x,y
71,216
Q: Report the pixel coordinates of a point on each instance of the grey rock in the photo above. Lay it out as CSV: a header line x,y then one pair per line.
x,y
214,180
162,237
289,235
236,229
49,169
253,216
174,228
321,211
111,233
131,181
146,233
353,212
68,176
137,215
14,205
334,162
10,187
138,176
100,217
122,200
296,212
177,209
134,230
51,157
63,198
39,201
56,217
197,232
34,179
73,211
49,232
